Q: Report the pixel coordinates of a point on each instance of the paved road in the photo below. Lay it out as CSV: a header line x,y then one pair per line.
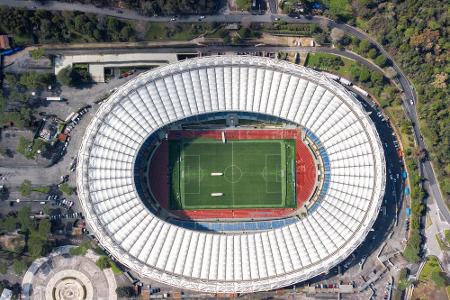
x,y
213,49
426,168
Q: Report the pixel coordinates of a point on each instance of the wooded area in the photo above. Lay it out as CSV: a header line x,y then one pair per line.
x,y
416,34
160,7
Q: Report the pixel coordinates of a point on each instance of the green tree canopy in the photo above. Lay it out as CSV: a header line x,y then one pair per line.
x,y
25,188
35,245
35,81
44,229
103,262
125,291
364,74
65,76
19,267
9,223
364,46
372,53
3,268
66,189
23,215
381,60
37,53
439,278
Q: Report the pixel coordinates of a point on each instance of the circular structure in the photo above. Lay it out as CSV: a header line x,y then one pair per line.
x,y
233,174
242,261
69,285
60,276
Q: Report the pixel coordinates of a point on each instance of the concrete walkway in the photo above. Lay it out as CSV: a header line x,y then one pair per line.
x,y
68,276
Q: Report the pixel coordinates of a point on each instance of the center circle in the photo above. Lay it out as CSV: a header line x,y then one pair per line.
x,y
233,174
69,289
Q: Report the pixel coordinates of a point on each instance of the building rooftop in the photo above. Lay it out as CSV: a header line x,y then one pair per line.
x,y
4,42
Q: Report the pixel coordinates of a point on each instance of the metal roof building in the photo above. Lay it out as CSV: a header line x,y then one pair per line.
x,y
233,261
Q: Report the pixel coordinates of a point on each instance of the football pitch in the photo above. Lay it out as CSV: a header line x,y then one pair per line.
x,y
209,174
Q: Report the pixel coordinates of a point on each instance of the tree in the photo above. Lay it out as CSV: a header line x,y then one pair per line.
x,y
65,76
372,53
125,291
35,245
66,189
37,53
403,282
25,188
103,262
236,40
46,209
11,79
44,229
15,95
126,33
226,39
113,25
439,279
80,250
80,74
364,46
244,32
364,74
9,223
24,218
411,254
412,250
376,78
3,268
80,20
381,60
35,81
19,266
244,4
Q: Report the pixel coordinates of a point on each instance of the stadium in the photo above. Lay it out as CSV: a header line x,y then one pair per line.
x,y
231,174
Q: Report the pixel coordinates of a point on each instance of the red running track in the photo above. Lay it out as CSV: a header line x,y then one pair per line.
x,y
305,173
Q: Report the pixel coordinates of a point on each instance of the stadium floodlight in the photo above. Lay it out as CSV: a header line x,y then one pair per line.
x,y
230,262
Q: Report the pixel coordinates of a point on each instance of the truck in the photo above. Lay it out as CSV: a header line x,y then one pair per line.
x,y
69,117
345,81
331,76
54,98
360,90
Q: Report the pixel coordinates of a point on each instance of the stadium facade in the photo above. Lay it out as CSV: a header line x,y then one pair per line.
x,y
234,261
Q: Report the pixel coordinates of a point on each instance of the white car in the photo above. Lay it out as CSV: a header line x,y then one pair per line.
x,y
411,102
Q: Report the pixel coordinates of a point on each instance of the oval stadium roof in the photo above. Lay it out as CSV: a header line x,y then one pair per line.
x,y
235,261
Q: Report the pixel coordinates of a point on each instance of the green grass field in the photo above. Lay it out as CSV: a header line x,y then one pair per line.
x,y
255,174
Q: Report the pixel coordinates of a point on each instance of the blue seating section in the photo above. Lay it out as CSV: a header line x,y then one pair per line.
x,y
234,226
326,166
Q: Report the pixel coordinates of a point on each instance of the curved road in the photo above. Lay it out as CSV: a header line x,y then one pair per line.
x,y
427,171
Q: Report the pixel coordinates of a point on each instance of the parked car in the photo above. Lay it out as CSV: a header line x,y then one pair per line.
x,y
64,178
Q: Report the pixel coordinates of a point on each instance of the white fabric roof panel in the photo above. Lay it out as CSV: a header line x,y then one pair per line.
x,y
230,262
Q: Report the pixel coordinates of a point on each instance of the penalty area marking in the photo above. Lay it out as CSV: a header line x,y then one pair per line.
x,y
266,174
198,173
